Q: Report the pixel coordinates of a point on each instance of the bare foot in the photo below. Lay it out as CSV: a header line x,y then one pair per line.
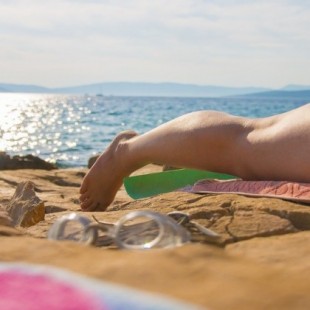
x,y
105,177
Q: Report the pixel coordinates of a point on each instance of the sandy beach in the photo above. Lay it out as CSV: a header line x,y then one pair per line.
x,y
260,262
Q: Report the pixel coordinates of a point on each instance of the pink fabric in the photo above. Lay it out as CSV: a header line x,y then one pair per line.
x,y
278,189
40,287
37,292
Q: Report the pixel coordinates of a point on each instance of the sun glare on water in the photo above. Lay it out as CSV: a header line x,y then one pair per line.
x,y
44,125
23,119
12,107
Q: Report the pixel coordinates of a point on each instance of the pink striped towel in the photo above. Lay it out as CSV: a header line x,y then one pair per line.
x,y
299,192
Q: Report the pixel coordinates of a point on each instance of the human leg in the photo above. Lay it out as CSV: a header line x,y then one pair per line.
x,y
278,147
202,140
273,148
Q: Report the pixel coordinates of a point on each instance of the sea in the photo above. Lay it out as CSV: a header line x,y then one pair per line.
x,y
68,129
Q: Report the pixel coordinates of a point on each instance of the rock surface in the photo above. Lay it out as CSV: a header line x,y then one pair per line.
x,y
261,260
5,219
6,224
25,208
23,162
92,160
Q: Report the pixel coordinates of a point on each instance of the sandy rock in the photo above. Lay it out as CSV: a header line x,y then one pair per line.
x,y
167,168
291,251
4,159
260,262
233,217
25,208
5,219
6,224
92,160
248,224
23,162
10,231
196,273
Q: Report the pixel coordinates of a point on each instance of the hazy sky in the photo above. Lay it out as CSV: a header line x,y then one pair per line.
x,y
222,42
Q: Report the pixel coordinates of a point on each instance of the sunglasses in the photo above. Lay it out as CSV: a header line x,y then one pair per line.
x,y
137,230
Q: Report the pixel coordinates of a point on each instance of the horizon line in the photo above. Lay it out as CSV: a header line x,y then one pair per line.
x,y
151,83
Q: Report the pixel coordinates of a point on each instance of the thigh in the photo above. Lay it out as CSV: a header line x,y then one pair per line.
x,y
279,146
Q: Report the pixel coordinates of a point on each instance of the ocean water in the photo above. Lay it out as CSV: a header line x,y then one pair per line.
x,y
68,129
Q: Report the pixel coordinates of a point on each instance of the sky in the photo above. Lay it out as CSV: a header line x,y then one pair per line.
x,y
57,43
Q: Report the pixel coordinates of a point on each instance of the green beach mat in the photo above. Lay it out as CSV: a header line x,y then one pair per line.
x,y
146,185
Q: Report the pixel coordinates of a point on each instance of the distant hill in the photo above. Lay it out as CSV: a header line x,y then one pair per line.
x,y
281,94
139,89
159,89
17,88
295,87
164,90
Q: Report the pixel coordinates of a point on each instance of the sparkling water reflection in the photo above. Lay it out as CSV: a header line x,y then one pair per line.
x,y
67,130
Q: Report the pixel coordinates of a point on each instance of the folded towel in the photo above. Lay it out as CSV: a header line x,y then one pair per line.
x,y
294,191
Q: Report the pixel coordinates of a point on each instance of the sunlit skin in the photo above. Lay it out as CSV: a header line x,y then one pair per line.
x,y
272,148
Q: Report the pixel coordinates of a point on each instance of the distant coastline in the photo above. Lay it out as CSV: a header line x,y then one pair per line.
x,y
161,90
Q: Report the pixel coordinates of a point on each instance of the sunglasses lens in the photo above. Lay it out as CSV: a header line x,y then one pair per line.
x,y
73,230
70,227
141,232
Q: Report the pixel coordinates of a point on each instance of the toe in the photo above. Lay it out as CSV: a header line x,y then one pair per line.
x,y
92,206
84,186
87,203
83,189
101,207
83,197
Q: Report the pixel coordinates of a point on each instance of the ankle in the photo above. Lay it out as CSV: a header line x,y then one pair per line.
x,y
130,158
122,155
